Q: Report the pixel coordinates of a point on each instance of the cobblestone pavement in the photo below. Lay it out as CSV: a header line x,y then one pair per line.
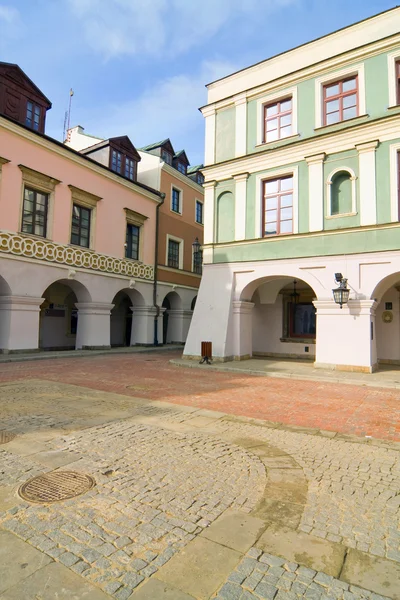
x,y
351,409
263,576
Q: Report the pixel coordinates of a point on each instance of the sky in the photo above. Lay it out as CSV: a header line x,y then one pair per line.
x,y
139,67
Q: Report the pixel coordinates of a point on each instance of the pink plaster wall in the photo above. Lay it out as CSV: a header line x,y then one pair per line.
x,y
110,222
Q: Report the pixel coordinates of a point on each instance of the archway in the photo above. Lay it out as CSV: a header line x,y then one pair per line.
x,y
387,320
58,324
122,317
171,333
193,304
284,319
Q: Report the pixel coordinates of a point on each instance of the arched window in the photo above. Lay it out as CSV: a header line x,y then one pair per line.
x,y
225,217
341,198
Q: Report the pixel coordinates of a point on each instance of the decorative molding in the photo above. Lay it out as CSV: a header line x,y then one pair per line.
x,y
367,146
134,218
43,250
241,177
315,159
3,161
84,198
45,182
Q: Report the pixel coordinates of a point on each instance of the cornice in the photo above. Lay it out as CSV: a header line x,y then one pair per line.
x,y
74,157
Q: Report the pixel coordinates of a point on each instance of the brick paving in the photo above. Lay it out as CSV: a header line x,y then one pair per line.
x,y
351,409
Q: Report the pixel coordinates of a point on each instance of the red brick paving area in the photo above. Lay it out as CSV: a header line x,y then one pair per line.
x,y
357,410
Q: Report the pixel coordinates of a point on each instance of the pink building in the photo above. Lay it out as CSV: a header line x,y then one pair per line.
x,y
77,237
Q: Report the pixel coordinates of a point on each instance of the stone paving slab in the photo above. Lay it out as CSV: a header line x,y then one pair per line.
x,y
235,529
381,576
154,589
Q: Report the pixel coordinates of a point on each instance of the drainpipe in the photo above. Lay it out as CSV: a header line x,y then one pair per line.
x,y
156,306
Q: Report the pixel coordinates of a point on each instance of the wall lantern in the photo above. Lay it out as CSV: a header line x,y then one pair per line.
x,y
342,293
294,296
197,256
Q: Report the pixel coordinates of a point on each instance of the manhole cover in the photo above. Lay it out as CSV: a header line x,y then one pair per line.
x,y
56,486
6,436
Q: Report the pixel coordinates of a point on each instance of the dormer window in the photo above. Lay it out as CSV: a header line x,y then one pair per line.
x,y
166,157
130,170
116,161
32,118
123,164
182,168
200,178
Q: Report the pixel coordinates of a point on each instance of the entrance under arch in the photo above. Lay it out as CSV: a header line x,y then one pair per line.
x,y
284,319
58,323
387,321
121,319
171,333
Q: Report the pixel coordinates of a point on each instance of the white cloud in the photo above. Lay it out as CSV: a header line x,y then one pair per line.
x,y
9,14
169,108
151,27
11,26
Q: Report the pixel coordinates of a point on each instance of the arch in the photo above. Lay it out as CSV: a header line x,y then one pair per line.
x,y
276,283
341,192
81,292
58,323
384,285
121,320
5,289
225,226
174,300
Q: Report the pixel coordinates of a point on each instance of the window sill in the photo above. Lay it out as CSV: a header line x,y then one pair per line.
x,y
298,340
277,143
35,236
71,245
394,107
331,127
352,214
198,223
175,212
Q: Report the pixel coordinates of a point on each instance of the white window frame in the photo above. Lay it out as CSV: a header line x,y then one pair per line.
x,y
175,187
195,211
353,179
394,202
270,99
357,70
276,174
181,244
392,58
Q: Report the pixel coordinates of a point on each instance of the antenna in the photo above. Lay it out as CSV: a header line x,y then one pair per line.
x,y
65,126
68,113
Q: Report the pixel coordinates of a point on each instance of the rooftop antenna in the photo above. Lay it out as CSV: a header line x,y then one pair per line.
x,y
67,118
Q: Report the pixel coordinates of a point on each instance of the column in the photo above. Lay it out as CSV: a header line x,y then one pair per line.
x,y
242,330
240,125
19,323
316,191
93,325
367,178
209,218
346,338
143,325
210,125
178,325
240,205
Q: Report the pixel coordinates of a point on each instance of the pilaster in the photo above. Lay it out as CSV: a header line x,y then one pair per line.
x,y
240,125
242,329
210,127
367,174
209,215
316,191
240,205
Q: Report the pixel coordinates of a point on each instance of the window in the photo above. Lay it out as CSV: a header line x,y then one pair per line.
x,y
132,242
182,168
34,217
116,161
278,206
166,157
80,231
130,168
340,100
32,116
173,254
199,212
398,81
302,322
176,200
278,120
200,178
197,262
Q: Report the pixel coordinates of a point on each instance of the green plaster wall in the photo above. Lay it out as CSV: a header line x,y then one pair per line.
x,y
376,85
225,211
334,161
382,162
225,134
346,242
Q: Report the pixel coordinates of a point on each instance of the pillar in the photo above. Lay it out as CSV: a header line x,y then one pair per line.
x,y
367,178
143,325
243,329
19,323
316,191
93,325
210,126
178,325
240,205
240,125
209,220
346,338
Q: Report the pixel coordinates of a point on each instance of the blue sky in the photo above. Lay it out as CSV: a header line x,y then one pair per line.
x,y
139,67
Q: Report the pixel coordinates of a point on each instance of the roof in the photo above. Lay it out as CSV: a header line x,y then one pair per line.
x,y
181,154
156,145
194,169
123,141
23,77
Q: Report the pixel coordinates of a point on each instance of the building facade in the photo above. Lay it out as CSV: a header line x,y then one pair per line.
x,y
77,252
302,183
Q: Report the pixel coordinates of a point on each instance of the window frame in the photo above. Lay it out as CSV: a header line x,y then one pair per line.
x,y
128,244
200,265
181,251
394,165
329,182
331,78
278,116
291,309
35,191
279,194
340,97
34,106
176,188
89,211
197,201
271,99
394,78
181,168
166,154
275,174
124,159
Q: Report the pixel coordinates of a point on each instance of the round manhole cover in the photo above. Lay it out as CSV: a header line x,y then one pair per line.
x,y
6,436
56,486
